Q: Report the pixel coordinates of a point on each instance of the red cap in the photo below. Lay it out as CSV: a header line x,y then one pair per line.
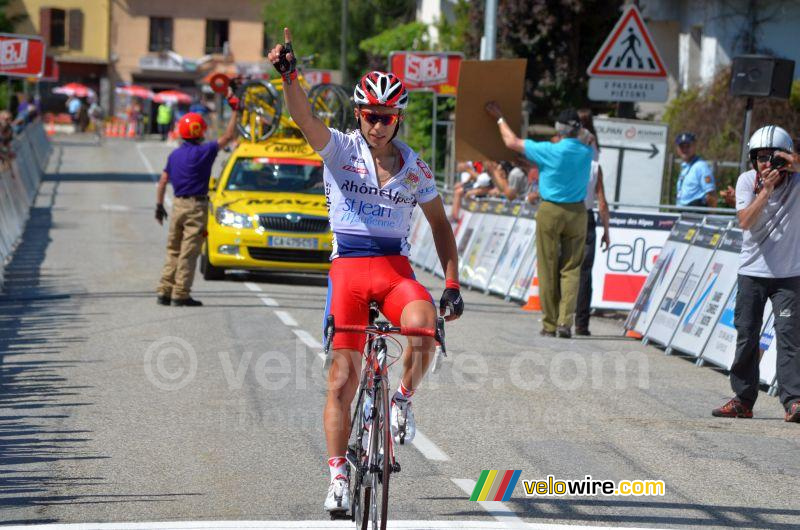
x,y
192,126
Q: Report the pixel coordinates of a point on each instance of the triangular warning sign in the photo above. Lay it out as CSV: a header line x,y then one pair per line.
x,y
628,51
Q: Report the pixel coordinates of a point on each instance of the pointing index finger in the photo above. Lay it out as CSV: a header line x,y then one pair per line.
x,y
287,36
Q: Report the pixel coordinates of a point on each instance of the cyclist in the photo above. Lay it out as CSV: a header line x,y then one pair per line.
x,y
372,184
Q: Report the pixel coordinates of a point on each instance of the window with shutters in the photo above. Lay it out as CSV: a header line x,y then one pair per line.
x,y
58,28
160,34
216,35
75,20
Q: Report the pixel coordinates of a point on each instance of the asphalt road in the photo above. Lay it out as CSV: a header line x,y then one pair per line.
x,y
114,409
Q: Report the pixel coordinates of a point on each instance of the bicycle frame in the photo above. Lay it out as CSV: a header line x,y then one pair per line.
x,y
370,469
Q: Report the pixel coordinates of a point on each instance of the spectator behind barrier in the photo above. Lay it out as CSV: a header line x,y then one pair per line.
x,y
768,210
6,136
475,182
509,181
696,186
564,171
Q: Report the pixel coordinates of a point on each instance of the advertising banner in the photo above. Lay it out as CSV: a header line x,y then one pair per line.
x,y
709,300
496,244
688,277
768,348
434,71
522,237
663,271
636,241
21,55
524,276
480,240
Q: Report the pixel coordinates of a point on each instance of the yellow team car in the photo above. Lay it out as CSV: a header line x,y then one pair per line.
x,y
267,211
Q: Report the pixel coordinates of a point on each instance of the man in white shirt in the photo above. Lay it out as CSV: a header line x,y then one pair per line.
x,y
768,209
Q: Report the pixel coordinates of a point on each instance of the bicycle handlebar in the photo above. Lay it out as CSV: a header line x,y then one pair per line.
x,y
403,330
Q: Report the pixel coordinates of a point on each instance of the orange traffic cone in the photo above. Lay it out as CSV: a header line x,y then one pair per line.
x,y
109,129
633,334
51,126
131,130
534,303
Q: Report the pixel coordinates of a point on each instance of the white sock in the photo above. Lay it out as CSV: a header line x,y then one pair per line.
x,y
337,466
403,393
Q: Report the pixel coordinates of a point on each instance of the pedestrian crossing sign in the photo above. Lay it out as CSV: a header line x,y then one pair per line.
x,y
628,51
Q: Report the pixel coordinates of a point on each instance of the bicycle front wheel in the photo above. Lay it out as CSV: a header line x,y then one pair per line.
x,y
380,458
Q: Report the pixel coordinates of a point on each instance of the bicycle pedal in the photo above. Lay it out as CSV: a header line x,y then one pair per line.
x,y
395,468
338,515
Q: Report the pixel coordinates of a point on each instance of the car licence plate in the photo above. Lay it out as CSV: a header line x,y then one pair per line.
x,y
292,242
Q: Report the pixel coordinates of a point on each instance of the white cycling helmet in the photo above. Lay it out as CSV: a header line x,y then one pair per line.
x,y
770,137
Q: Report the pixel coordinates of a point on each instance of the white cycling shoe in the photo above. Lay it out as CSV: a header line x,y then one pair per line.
x,y
403,426
338,499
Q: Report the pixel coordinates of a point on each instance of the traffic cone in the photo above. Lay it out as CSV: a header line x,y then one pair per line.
x,y
109,129
633,334
534,303
51,126
131,130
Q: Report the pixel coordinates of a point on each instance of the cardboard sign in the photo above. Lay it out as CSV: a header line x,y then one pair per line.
x,y
477,134
21,55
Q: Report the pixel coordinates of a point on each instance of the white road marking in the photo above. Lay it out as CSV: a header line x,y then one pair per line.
x,y
429,449
115,208
286,318
272,525
253,287
153,172
496,509
270,302
307,339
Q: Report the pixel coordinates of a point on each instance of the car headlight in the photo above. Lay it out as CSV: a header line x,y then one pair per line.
x,y
227,217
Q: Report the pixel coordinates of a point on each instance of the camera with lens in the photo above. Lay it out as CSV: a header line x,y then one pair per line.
x,y
776,162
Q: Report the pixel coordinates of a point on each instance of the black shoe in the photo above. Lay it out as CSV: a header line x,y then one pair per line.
x,y
163,299
563,332
187,302
583,332
545,333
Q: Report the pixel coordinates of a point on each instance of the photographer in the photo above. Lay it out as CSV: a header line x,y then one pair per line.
x,y
768,209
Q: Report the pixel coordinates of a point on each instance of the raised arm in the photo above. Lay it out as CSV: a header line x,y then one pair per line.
x,y
511,140
283,59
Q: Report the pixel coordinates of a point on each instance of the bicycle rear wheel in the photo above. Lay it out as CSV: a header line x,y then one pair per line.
x,y
376,496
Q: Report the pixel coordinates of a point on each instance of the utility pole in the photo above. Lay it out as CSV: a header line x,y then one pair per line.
x,y
489,30
343,46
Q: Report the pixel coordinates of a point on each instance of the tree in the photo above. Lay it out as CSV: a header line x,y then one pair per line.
x,y
316,25
558,37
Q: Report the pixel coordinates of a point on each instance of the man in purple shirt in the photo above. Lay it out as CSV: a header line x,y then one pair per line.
x,y
188,169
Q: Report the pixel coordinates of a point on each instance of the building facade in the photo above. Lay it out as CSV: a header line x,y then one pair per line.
x,y
177,44
77,36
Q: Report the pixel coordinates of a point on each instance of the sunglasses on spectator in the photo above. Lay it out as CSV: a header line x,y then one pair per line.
x,y
764,158
373,118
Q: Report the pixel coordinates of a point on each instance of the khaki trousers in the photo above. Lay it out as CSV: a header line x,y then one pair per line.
x,y
184,242
560,241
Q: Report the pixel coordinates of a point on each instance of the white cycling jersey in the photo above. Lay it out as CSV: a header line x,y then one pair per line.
x,y
366,219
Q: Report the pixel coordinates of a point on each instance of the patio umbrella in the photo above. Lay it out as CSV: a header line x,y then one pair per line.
x,y
135,91
172,96
74,89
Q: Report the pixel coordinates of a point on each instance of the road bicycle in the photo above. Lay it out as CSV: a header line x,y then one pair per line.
x,y
370,453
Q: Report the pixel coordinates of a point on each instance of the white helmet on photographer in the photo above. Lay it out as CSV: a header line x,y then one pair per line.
x,y
769,137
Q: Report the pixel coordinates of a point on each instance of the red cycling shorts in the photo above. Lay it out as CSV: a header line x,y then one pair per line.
x,y
355,282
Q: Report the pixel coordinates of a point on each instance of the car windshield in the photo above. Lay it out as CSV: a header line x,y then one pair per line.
x,y
271,174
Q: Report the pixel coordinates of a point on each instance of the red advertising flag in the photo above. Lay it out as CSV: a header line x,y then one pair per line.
x,y
430,71
21,55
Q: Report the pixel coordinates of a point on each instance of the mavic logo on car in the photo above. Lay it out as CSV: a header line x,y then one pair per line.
x,y
494,485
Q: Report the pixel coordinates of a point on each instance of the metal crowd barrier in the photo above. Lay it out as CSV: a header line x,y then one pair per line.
x,y
19,184
674,273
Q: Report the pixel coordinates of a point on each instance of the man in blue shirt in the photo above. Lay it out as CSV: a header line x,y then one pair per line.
x,y
564,170
696,186
188,169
